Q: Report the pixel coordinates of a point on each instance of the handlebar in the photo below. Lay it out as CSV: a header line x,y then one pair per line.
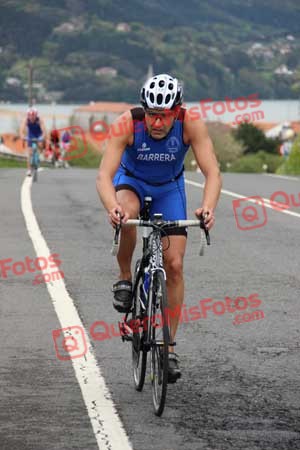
x,y
40,139
159,223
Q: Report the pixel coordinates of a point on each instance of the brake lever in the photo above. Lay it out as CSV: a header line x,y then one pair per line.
x,y
207,236
204,227
116,242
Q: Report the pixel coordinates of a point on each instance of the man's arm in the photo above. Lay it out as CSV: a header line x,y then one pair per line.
x,y
196,135
22,131
109,165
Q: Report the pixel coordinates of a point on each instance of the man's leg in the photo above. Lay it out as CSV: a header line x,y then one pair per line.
x,y
131,204
173,263
122,289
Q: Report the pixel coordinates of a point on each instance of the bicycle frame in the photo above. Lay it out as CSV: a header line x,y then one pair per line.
x,y
35,159
152,256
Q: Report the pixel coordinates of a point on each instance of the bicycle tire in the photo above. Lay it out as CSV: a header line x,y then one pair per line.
x,y
35,174
139,355
160,343
35,162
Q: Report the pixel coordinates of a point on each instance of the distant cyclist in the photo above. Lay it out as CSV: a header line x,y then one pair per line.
x,y
147,159
65,144
32,127
66,140
54,145
66,137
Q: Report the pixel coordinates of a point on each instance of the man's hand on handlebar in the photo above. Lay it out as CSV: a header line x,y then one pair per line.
x,y
117,215
207,214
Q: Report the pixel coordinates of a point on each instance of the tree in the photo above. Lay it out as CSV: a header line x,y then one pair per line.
x,y
296,85
254,139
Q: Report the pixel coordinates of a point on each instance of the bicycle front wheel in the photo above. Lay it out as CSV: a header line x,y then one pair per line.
x,y
35,174
160,342
139,354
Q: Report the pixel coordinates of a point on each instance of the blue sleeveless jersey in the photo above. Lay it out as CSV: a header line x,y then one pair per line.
x,y
153,160
34,129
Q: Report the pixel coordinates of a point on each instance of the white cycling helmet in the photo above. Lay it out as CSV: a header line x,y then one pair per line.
x,y
161,92
32,112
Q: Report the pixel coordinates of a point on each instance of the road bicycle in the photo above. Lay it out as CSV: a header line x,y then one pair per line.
x,y
147,324
35,157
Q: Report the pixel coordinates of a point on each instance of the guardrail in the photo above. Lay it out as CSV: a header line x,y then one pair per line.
x,y
6,152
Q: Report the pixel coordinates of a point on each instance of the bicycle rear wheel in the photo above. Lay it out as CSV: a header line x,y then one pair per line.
x,y
139,354
160,343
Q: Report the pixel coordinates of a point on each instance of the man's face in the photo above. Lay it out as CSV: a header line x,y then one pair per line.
x,y
159,122
32,117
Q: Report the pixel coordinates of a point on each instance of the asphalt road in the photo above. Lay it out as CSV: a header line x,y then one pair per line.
x,y
240,385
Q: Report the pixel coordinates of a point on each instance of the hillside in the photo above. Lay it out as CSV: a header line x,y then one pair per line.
x,y
86,50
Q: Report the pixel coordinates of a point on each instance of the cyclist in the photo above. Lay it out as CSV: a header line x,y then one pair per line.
x,y
54,146
147,159
32,127
66,139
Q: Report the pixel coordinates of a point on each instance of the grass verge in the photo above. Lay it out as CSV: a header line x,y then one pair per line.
x,y
85,156
11,163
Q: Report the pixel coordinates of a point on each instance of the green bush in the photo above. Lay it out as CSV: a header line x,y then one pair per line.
x,y
259,162
291,166
248,163
272,161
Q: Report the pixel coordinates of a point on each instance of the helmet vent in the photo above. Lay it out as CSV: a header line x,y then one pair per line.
x,y
171,85
159,99
168,98
151,97
161,83
152,85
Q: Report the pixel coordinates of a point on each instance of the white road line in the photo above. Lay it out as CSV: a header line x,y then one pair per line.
x,y
281,176
108,429
267,202
193,183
